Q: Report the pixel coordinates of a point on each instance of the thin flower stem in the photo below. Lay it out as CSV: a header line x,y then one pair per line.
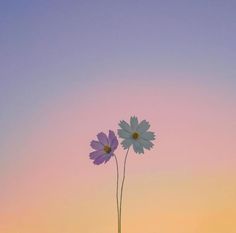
x,y
122,187
117,195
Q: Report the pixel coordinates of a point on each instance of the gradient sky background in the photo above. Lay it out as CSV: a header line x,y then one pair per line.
x,y
70,69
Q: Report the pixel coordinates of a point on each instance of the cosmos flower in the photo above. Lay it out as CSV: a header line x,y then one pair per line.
x,y
136,134
104,147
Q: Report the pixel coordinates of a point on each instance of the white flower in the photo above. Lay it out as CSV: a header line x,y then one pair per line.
x,y
136,134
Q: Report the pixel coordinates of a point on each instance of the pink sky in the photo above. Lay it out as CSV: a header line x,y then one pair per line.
x,y
194,154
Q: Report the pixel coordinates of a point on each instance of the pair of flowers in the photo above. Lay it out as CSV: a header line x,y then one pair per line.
x,y
134,134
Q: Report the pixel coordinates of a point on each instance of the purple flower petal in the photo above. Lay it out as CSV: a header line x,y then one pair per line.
x,y
108,156
95,154
102,138
104,147
100,159
113,142
96,145
111,135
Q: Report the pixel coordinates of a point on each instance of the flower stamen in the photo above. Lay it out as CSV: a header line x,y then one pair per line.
x,y
135,135
107,149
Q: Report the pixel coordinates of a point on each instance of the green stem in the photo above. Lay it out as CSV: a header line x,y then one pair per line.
x,y
117,194
122,187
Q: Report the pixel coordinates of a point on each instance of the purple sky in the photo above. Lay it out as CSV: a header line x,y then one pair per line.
x,y
47,47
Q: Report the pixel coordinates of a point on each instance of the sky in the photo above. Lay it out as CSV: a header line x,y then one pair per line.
x,y
71,69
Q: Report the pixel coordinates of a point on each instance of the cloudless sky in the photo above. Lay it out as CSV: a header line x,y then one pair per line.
x,y
67,62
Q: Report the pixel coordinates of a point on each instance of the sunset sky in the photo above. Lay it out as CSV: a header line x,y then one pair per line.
x,y
71,69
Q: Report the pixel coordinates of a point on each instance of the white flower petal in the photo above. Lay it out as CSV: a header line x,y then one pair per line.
x,y
148,136
126,143
123,134
134,123
143,126
146,144
137,147
125,126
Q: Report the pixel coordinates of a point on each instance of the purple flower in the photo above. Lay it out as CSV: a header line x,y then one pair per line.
x,y
104,147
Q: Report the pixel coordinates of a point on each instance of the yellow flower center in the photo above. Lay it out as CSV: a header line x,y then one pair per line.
x,y
107,149
135,135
